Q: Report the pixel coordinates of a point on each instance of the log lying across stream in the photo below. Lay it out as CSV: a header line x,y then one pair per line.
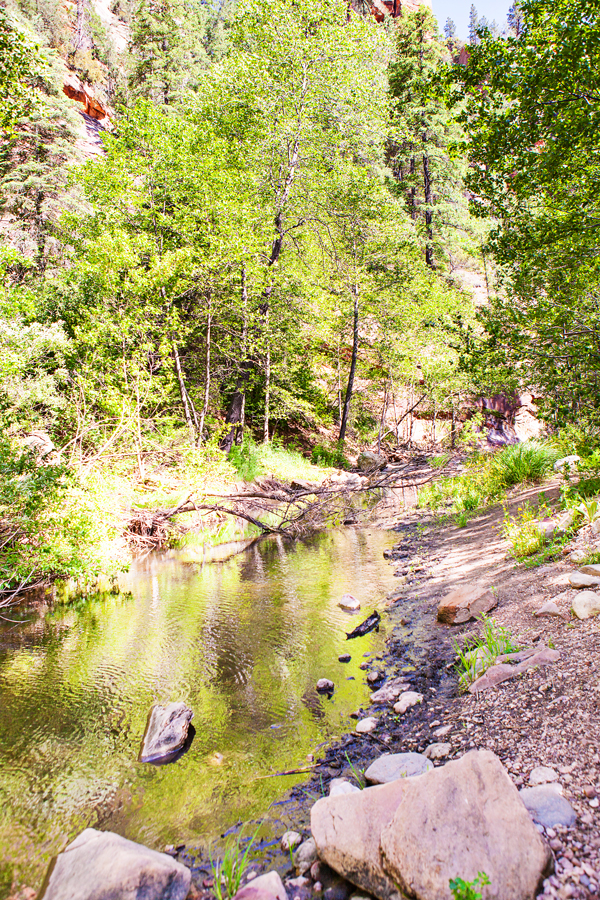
x,y
276,508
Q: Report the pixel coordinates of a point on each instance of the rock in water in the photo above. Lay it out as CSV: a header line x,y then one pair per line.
x,y
465,603
349,602
458,820
346,830
100,865
166,732
325,686
392,766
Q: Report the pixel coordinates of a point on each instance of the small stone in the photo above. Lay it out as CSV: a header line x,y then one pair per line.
x,y
580,580
391,766
265,887
317,887
345,658
349,603
390,691
548,609
374,677
594,802
341,786
290,840
407,699
542,775
443,731
586,604
166,732
566,463
438,751
305,856
366,726
547,807
299,882
325,686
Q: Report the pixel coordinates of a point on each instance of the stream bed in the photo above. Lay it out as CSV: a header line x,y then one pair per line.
x,y
241,641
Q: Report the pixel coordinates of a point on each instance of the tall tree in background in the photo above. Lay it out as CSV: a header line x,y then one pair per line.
x,y
533,142
429,178
473,24
449,29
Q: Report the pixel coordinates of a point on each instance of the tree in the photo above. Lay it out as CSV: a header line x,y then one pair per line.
x,y
533,145
427,175
449,29
18,63
473,24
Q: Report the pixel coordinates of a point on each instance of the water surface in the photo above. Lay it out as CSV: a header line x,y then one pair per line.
x,y
242,642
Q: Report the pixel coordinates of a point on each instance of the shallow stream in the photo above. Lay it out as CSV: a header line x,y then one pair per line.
x,y
241,641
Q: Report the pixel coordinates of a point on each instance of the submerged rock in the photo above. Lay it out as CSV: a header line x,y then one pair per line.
x,y
458,820
166,732
104,866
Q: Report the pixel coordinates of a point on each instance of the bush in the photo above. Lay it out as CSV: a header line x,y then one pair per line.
x,y
48,523
530,461
331,458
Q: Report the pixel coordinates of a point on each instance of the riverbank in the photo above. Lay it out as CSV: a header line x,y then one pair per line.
x,y
546,720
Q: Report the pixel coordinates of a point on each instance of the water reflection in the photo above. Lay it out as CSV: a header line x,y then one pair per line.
x,y
242,642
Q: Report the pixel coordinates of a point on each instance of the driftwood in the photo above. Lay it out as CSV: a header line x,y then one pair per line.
x,y
296,510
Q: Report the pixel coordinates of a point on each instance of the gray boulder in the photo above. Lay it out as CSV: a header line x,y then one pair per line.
x,y
368,461
391,766
547,806
100,865
166,732
458,820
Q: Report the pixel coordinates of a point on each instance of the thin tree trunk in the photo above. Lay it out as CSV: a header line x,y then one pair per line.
x,y
383,412
207,375
434,422
428,210
237,406
350,386
339,381
453,428
267,381
184,394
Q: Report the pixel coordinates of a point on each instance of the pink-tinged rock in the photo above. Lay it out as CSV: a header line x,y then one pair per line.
x,y
346,829
101,865
460,819
497,674
465,603
265,887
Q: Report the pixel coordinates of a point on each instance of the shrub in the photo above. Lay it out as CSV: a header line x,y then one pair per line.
x,y
328,457
529,461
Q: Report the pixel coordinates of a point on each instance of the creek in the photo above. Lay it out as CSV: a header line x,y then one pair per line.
x,y
242,641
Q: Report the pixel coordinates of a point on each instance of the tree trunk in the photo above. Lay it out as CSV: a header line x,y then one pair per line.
x,y
453,428
207,376
267,381
237,406
185,400
350,386
428,210
383,412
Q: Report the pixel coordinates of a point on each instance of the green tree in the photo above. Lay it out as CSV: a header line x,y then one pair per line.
x,y
18,63
533,143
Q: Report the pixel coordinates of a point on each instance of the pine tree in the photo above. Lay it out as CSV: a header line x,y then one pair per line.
x,y
449,29
473,24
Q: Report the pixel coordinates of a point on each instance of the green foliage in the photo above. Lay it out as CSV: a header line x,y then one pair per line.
x,y
48,522
330,457
524,532
357,774
250,460
469,890
479,652
229,871
489,476
18,62
532,144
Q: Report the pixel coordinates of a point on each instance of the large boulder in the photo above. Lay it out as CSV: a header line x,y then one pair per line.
x,y
166,732
465,603
460,819
368,461
346,829
586,604
100,865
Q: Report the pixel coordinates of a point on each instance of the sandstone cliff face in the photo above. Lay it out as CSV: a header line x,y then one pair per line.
x,y
383,8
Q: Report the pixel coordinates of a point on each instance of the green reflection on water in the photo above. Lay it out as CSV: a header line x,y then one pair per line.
x,y
243,642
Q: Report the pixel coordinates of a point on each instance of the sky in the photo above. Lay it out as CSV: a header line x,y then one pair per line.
x,y
458,10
